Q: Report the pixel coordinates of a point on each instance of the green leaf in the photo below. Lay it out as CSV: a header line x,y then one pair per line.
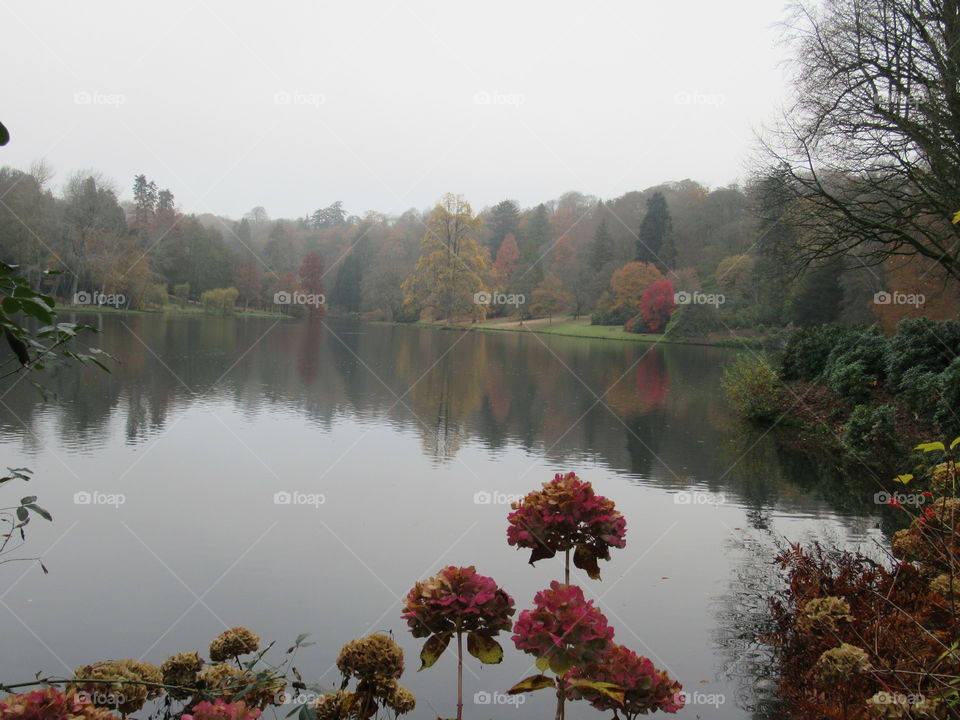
x,y
27,500
956,441
929,447
22,514
560,663
531,684
9,305
484,648
543,663
609,689
433,648
903,478
40,511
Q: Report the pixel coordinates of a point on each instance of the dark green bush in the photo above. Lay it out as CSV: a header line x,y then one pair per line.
x,y
753,388
920,389
849,380
948,407
694,320
921,343
867,345
614,315
807,350
869,427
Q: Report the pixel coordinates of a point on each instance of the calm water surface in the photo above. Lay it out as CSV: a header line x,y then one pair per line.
x,y
414,439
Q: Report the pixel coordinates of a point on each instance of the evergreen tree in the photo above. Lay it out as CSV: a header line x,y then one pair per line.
x,y
820,294
601,250
504,220
653,245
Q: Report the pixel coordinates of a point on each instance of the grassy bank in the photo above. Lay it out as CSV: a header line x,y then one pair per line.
x,y
581,328
165,310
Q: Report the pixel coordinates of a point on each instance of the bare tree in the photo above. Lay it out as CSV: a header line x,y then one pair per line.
x,y
871,147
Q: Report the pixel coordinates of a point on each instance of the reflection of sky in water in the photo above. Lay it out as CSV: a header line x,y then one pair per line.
x,y
199,542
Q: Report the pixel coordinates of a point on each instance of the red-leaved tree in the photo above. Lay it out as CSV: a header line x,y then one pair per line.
x,y
657,304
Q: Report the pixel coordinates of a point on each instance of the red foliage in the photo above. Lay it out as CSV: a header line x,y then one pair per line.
x,y
657,304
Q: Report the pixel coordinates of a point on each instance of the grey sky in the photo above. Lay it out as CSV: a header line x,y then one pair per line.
x,y
387,105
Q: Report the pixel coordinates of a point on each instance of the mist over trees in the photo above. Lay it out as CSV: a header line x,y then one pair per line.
x,y
576,254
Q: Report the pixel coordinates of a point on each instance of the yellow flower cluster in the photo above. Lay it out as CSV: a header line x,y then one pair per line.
x,y
221,680
233,643
842,663
823,614
371,657
125,693
181,670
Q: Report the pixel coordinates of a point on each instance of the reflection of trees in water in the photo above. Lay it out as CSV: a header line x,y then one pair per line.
x,y
660,415
742,618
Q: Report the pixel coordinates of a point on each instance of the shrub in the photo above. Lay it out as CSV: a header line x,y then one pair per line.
x,y
618,314
948,407
921,343
849,380
220,300
869,426
657,304
694,320
920,389
807,351
868,346
753,388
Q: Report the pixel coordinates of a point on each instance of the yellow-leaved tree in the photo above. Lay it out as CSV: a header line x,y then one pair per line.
x,y
451,275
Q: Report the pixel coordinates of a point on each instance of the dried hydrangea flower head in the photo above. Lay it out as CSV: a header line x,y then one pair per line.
x,y
567,515
50,702
180,670
842,663
220,710
126,693
563,630
371,657
233,643
335,706
222,680
645,688
823,615
402,701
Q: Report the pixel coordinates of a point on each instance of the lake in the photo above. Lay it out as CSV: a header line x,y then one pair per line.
x,y
298,477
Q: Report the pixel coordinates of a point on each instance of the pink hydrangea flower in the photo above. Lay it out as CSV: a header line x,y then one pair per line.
x,y
645,687
457,598
563,627
51,704
567,515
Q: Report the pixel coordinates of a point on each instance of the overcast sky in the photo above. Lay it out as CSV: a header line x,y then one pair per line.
x,y
387,105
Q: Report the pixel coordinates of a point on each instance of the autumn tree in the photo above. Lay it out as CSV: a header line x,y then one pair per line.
x,y
657,304
549,298
504,220
311,281
507,257
452,267
630,282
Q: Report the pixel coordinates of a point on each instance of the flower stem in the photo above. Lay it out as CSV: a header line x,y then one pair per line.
x,y
459,675
566,569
